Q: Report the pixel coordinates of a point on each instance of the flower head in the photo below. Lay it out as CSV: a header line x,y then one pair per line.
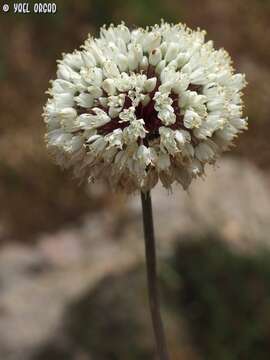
x,y
133,107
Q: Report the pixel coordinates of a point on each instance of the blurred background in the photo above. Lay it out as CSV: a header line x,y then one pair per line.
x,y
72,281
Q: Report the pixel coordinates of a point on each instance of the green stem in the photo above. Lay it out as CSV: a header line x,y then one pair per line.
x,y
150,253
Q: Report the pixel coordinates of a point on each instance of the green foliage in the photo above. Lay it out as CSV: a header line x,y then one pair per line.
x,y
112,321
225,297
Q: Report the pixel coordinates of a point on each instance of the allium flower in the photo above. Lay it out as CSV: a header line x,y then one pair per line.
x,y
133,107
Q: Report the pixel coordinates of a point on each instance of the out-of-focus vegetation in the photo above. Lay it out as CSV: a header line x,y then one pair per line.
x,y
216,306
225,298
35,196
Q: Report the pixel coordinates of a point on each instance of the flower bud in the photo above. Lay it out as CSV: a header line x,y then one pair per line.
x,y
144,63
109,87
155,57
172,52
150,84
122,62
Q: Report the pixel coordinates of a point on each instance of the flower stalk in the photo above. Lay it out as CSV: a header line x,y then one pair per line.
x,y
153,293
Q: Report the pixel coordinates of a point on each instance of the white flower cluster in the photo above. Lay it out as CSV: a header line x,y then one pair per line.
x,y
133,107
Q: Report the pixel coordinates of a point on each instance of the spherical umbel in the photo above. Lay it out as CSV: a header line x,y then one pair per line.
x,y
133,107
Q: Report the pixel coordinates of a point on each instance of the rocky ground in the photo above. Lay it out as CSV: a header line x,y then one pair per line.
x,y
38,283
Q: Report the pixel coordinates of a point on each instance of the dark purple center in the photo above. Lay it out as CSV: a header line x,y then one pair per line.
x,y
147,113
